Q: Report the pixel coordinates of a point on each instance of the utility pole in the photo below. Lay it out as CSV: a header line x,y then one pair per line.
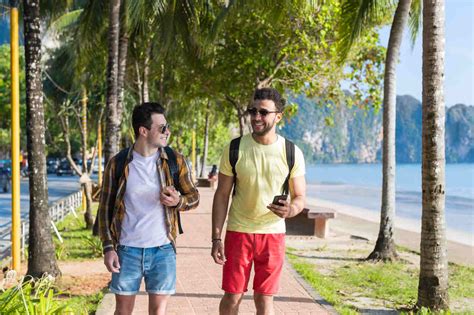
x,y
15,136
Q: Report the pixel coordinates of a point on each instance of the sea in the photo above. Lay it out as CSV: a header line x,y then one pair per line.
x,y
360,185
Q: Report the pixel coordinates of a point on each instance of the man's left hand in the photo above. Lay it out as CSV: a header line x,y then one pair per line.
x,y
169,196
283,211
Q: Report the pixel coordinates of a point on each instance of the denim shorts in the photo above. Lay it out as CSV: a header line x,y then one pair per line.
x,y
157,265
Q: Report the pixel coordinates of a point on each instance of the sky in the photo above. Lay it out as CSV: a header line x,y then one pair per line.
x,y
459,58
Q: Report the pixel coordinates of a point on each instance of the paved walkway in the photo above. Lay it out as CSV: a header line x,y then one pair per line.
x,y
199,278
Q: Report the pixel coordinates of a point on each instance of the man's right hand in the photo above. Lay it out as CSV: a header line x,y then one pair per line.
x,y
111,261
218,252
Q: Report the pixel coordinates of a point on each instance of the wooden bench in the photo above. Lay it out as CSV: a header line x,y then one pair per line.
x,y
213,182
207,182
321,216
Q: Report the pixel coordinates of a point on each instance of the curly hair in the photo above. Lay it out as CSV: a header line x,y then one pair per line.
x,y
270,94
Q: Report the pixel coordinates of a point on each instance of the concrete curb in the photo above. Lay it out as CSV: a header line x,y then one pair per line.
x,y
310,290
107,304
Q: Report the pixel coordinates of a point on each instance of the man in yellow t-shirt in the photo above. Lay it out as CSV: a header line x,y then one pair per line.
x,y
256,227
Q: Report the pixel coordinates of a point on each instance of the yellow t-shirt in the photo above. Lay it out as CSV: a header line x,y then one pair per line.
x,y
261,171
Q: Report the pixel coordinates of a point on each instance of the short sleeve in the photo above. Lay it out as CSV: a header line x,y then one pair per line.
x,y
225,167
299,168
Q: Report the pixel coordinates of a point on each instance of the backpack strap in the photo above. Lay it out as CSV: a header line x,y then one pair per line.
x,y
174,171
120,160
290,160
233,157
173,166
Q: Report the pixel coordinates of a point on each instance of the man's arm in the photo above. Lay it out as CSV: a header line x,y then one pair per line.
x,y
189,198
298,199
107,192
111,260
219,214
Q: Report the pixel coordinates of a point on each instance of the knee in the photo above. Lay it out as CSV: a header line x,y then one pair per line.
x,y
263,301
231,300
123,309
124,305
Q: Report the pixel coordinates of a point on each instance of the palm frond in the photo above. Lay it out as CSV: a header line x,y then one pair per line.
x,y
414,20
65,20
357,15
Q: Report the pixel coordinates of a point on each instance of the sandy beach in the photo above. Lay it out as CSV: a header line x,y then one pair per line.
x,y
365,223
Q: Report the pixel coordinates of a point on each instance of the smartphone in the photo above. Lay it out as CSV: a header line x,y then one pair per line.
x,y
276,199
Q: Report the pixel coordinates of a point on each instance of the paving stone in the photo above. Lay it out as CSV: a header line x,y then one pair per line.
x,y
199,278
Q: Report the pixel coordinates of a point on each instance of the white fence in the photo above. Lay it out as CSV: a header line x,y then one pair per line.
x,y
57,211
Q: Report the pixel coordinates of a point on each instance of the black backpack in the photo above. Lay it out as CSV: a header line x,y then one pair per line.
x,y
172,164
290,159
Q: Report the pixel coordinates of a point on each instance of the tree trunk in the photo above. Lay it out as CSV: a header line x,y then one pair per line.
x,y
122,63
87,189
433,282
244,123
206,140
146,72
41,255
162,84
139,82
385,245
85,179
113,122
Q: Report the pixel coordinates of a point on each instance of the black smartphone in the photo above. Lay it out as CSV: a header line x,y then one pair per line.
x,y
276,199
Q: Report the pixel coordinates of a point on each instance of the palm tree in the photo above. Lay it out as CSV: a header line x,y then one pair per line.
x,y
433,282
113,120
356,16
41,255
122,61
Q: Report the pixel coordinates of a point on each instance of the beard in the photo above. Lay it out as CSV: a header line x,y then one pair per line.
x,y
266,128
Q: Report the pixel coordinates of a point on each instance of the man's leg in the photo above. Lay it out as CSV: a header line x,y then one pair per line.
x,y
264,304
268,260
160,277
238,249
230,303
126,283
124,304
157,304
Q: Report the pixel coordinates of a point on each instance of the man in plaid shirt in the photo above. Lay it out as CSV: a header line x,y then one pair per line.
x,y
138,213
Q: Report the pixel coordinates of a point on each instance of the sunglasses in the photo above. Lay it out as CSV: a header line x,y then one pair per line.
x,y
263,112
162,128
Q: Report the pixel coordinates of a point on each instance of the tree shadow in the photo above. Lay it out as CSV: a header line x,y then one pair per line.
x,y
289,299
329,258
374,311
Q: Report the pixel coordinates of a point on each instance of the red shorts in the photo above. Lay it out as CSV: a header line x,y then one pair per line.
x,y
266,251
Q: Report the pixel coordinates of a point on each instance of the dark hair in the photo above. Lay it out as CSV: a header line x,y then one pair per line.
x,y
141,116
272,95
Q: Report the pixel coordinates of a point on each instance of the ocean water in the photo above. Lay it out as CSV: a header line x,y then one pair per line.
x,y
361,185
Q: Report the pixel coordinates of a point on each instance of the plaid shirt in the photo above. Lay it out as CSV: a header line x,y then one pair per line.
x,y
112,206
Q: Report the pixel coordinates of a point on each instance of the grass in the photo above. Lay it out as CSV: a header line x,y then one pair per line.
x,y
461,282
395,283
84,304
79,243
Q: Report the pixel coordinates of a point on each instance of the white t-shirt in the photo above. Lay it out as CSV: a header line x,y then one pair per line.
x,y
144,222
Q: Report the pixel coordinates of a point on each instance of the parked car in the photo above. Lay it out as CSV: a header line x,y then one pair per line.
x,y
64,169
4,179
52,165
96,166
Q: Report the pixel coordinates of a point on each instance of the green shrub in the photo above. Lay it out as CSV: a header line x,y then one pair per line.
x,y
34,297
